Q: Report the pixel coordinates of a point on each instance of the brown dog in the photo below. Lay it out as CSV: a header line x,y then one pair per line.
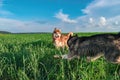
x,y
60,40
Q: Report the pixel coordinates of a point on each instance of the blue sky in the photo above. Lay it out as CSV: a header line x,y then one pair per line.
x,y
68,15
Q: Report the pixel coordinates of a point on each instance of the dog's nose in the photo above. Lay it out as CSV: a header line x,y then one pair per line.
x,y
57,35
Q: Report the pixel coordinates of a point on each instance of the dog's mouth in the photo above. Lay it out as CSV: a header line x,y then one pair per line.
x,y
56,36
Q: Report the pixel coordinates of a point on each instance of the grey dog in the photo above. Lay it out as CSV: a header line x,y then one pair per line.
x,y
95,46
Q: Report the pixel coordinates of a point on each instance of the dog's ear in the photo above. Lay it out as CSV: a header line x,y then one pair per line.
x,y
55,28
70,36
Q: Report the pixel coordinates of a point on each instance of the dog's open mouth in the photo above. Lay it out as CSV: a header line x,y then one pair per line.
x,y
56,36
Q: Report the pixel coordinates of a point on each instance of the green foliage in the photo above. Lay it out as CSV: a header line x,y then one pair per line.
x,y
30,57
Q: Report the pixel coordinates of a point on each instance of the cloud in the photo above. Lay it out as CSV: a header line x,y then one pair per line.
x,y
13,25
107,8
91,20
102,21
64,17
114,22
97,24
100,15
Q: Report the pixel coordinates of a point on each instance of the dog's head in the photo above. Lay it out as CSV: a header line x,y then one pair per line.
x,y
72,39
56,33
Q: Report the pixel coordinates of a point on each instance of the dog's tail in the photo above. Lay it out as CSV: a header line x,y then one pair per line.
x,y
70,34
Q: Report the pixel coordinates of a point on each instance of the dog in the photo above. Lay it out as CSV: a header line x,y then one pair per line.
x,y
93,47
60,40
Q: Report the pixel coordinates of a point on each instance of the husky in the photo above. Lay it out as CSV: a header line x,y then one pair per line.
x,y
93,47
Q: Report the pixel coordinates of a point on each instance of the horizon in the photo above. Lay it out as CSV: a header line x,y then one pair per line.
x,y
24,16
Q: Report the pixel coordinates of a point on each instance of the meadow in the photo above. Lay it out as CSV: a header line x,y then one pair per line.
x,y
30,57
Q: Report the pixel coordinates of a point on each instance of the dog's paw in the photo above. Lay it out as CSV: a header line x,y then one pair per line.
x,y
57,56
65,56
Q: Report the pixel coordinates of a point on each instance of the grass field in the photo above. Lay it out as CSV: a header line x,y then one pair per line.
x,y
30,57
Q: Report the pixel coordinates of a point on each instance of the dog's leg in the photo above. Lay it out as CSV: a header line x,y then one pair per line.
x,y
118,60
113,55
89,59
65,56
69,56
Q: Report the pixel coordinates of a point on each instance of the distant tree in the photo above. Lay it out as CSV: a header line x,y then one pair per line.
x,y
5,32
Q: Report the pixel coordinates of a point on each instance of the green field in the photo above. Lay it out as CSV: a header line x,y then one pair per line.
x,y
30,57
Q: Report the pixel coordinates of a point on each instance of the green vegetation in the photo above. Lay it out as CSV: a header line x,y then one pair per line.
x,y
30,57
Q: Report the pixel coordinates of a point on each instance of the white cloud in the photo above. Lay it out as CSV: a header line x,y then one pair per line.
x,y
102,21
13,25
97,24
94,20
64,17
91,20
116,22
107,8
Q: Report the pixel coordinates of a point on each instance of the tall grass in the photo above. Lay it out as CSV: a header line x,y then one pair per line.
x,y
30,57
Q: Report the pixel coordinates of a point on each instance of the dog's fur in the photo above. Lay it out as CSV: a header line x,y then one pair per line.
x,y
93,47
60,40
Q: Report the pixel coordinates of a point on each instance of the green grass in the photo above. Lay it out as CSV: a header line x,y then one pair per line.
x,y
30,57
